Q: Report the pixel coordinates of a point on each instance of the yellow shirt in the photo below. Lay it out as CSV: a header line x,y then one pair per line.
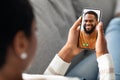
x,y
87,40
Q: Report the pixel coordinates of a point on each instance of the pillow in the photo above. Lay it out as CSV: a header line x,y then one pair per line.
x,y
54,18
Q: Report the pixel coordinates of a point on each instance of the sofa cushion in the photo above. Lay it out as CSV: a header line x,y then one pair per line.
x,y
54,18
106,6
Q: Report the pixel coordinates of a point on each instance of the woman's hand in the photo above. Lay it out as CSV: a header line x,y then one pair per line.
x,y
70,50
101,45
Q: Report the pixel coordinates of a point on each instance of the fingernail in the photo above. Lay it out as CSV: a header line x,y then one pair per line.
x,y
80,17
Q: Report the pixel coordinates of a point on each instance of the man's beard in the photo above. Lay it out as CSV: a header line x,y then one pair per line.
x,y
89,32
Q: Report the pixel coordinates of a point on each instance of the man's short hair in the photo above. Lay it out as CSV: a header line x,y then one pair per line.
x,y
93,13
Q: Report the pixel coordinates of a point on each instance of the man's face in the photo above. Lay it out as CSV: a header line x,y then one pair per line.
x,y
90,23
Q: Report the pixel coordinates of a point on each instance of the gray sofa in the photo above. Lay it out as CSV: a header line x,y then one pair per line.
x,y
54,18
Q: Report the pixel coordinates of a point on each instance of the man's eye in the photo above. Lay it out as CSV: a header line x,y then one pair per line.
x,y
85,20
91,20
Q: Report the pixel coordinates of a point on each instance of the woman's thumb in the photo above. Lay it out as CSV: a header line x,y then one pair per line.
x,y
100,29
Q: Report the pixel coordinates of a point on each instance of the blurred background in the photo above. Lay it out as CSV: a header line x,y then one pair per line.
x,y
54,19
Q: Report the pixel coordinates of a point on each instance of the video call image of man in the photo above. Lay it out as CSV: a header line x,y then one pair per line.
x,y
88,34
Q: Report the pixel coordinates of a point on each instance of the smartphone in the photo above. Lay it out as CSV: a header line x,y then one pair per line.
x,y
88,32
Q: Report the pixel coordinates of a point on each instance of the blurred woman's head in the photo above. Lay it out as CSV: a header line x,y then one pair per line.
x,y
17,33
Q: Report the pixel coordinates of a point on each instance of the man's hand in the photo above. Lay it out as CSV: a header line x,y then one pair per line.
x,y
70,50
101,45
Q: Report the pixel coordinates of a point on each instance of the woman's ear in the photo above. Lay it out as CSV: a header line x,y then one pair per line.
x,y
20,43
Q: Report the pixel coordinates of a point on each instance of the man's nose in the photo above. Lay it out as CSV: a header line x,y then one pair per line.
x,y
88,23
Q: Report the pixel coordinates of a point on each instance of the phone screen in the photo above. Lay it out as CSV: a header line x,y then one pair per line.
x,y
88,32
